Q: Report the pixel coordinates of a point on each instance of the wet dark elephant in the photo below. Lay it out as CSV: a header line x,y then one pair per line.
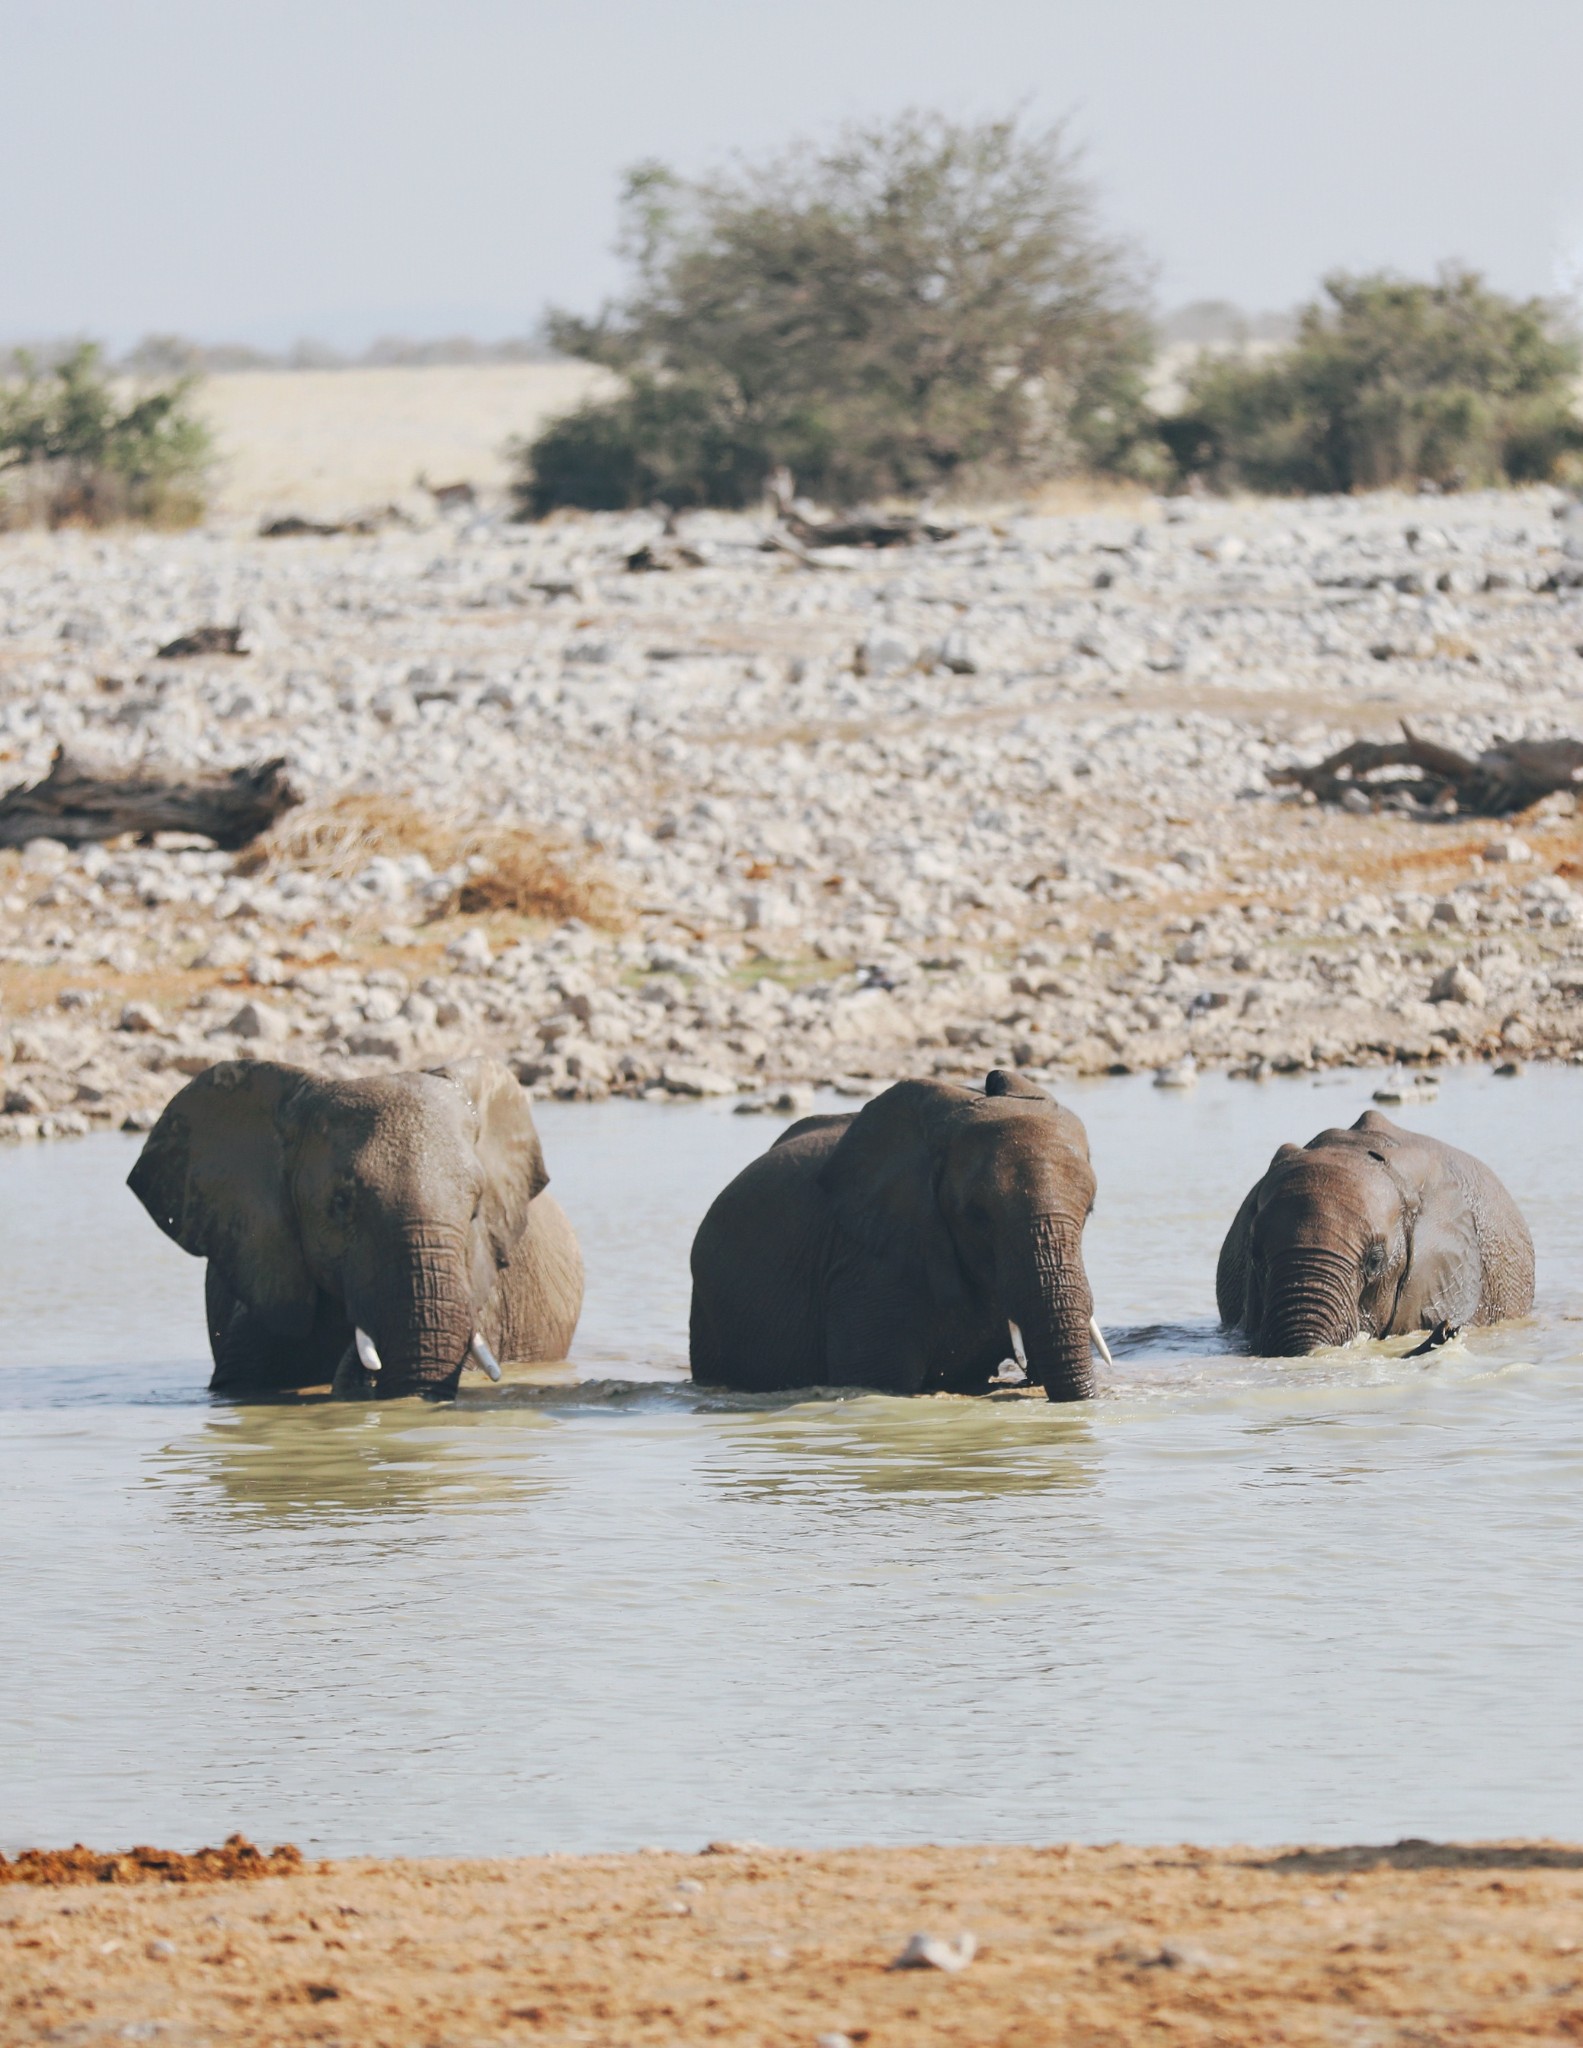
x,y
1374,1230
910,1247
376,1233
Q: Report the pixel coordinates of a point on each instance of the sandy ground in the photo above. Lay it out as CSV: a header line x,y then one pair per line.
x,y
1417,1944
328,442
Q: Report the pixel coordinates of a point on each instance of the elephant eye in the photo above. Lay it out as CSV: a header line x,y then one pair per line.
x,y
340,1203
1374,1260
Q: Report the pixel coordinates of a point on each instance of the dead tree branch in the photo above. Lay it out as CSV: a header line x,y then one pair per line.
x,y
71,804
1507,777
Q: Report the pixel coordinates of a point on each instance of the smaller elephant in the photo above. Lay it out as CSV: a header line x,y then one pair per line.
x,y
1374,1230
910,1247
377,1234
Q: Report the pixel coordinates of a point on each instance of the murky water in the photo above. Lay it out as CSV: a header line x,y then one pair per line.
x,y
1331,1599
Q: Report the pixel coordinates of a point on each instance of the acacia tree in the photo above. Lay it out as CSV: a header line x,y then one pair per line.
x,y
1389,381
72,450
919,304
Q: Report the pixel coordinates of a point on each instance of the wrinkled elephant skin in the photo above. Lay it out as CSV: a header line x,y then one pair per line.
x,y
375,1234
896,1248
1373,1231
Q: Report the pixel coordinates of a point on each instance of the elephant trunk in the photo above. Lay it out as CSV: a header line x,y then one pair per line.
x,y
418,1310
1046,1293
1310,1301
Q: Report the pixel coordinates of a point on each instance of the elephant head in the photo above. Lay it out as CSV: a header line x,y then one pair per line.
x,y
1324,1246
987,1196
376,1212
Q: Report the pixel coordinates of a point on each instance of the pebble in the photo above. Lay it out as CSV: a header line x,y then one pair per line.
x,y
1457,984
935,1952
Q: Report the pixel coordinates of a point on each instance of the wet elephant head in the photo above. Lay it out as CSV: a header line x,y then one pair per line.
x,y
1358,1231
332,1212
990,1193
1329,1246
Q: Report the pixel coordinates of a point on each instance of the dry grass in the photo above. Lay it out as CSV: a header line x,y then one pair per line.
x,y
530,878
1069,497
326,442
342,836
514,871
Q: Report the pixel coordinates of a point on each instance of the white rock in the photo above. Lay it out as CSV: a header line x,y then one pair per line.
x,y
1456,984
257,1020
470,954
886,653
934,1952
140,1017
225,949
690,1080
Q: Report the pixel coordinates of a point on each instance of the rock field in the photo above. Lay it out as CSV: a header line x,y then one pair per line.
x,y
1000,799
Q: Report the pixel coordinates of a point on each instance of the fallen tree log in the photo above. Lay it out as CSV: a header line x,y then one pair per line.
x,y
865,530
202,640
859,529
71,804
1506,777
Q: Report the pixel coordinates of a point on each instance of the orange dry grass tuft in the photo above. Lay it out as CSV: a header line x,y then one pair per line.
x,y
527,876
514,870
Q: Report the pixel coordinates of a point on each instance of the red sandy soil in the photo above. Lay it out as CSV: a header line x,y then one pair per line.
x,y
1421,1943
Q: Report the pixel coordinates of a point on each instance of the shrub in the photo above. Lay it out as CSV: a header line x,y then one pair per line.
x,y
918,305
72,453
1388,382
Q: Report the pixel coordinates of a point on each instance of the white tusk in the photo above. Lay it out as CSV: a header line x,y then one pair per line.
x,y
484,1355
1018,1349
368,1352
1098,1336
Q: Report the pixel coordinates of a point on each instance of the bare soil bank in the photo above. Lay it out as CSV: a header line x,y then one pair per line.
x,y
1417,1943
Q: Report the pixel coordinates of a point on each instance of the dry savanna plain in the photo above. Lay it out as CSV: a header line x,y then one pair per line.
x,y
763,819
748,821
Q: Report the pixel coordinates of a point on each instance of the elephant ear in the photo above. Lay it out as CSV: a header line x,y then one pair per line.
x,y
213,1175
508,1147
881,1181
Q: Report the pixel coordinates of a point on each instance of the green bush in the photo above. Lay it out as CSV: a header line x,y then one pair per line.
x,y
71,452
1388,382
918,305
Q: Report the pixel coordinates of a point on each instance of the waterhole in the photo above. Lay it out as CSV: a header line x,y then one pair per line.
x,y
1229,1600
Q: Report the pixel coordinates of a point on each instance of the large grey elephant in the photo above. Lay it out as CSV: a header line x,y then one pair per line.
x,y
910,1247
1374,1230
377,1234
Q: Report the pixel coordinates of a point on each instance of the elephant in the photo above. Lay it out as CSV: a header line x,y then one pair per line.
x,y
378,1234
909,1247
1374,1230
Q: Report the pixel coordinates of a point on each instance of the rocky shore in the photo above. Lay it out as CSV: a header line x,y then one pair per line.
x,y
1419,1942
777,819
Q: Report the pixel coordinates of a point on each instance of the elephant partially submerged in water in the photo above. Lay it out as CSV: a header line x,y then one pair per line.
x,y
1373,1230
911,1247
375,1233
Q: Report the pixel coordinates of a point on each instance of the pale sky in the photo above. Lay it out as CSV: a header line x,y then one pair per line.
x,y
263,169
